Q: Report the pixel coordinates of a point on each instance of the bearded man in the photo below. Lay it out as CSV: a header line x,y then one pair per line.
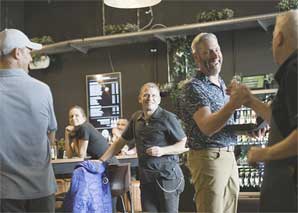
x,y
207,110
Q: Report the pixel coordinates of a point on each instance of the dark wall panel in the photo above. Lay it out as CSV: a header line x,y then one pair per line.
x,y
245,51
12,14
253,52
67,76
63,20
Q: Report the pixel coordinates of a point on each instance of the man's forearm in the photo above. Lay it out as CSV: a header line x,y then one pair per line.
x,y
213,122
67,146
176,148
51,136
286,148
113,149
262,109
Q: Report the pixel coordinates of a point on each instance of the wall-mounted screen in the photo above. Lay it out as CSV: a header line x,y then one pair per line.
x,y
104,100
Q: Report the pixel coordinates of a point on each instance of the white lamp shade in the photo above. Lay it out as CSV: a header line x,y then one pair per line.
x,y
131,4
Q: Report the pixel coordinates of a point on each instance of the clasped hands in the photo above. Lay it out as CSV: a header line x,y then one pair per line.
x,y
239,94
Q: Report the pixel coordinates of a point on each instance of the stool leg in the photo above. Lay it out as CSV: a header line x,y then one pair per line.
x,y
131,202
123,204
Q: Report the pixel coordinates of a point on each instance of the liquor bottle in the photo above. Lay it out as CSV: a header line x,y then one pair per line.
x,y
237,116
53,151
241,118
252,181
261,178
241,178
246,180
257,181
253,117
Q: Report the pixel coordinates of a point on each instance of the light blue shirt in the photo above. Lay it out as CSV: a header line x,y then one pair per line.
x,y
26,116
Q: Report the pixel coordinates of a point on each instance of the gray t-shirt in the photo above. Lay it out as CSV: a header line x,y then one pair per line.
x,y
26,116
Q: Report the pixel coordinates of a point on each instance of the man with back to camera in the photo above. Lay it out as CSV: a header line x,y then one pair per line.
x,y
207,109
279,188
159,138
28,125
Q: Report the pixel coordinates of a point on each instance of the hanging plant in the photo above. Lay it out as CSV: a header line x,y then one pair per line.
x,y
182,64
285,5
215,15
112,29
44,40
173,90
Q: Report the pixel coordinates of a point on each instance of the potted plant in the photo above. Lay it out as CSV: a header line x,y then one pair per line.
x,y
41,61
214,15
112,29
285,5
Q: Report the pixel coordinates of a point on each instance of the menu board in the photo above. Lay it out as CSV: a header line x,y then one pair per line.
x,y
104,100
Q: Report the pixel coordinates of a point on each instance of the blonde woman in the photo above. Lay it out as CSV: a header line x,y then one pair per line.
x,y
81,138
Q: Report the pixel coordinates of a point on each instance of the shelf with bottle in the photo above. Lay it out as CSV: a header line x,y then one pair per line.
x,y
241,156
250,176
246,120
250,179
57,149
249,140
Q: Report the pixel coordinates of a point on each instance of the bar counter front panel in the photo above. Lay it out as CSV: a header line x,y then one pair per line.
x,y
66,166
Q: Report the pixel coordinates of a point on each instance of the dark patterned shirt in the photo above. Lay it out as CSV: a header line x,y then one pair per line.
x,y
200,92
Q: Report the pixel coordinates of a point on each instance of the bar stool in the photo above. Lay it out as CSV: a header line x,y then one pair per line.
x,y
119,178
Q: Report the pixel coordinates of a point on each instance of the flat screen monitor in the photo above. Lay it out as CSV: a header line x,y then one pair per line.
x,y
104,100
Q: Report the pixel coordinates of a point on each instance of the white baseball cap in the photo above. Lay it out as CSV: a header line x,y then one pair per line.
x,y
12,38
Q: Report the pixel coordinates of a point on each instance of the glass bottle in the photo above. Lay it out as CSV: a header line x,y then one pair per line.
x,y
53,151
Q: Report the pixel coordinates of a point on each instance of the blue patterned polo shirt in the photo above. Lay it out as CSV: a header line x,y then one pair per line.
x,y
199,92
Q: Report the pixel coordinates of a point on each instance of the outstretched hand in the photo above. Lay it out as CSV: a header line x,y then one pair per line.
x,y
260,133
256,154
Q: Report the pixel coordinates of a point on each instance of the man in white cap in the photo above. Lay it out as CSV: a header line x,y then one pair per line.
x,y
207,111
28,125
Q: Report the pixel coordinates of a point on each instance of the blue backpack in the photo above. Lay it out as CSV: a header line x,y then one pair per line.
x,y
89,190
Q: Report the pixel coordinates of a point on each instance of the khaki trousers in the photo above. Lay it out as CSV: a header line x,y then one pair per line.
x,y
216,181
